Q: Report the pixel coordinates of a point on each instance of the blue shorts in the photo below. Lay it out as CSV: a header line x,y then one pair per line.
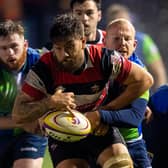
x,y
87,149
24,145
139,154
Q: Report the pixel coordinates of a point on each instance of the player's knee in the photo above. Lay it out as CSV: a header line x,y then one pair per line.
x,y
119,161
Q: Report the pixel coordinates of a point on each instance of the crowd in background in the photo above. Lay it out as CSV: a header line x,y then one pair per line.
x,y
149,16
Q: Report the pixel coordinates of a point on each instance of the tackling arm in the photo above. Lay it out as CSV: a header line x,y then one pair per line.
x,y
137,82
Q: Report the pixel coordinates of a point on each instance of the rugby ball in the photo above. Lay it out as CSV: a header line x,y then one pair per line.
x,y
63,126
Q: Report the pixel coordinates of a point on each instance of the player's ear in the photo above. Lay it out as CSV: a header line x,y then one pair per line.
x,y
99,15
135,44
26,44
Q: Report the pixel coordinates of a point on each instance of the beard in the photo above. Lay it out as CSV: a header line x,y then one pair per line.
x,y
70,65
16,66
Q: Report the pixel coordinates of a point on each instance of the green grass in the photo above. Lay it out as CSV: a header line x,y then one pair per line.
x,y
47,160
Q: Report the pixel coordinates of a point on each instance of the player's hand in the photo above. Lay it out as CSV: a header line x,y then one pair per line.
x,y
148,115
94,118
101,129
62,100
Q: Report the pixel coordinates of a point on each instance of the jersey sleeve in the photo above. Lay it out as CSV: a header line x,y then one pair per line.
x,y
112,64
35,84
130,115
115,66
120,67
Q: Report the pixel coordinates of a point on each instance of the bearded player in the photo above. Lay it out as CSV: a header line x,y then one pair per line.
x,y
18,148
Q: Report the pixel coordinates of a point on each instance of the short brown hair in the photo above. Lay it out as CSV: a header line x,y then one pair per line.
x,y
9,27
97,2
66,26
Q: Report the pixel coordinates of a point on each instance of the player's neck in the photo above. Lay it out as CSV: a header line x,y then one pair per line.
x,y
91,37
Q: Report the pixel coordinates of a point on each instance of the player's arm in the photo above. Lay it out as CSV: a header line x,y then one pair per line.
x,y
7,123
137,82
27,109
130,116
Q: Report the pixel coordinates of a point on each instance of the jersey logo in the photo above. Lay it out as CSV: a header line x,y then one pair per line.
x,y
116,61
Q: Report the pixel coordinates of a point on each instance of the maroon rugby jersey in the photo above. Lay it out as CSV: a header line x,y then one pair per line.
x,y
100,66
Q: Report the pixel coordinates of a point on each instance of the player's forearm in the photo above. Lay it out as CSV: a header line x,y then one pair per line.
x,y
24,112
131,92
137,83
7,123
131,116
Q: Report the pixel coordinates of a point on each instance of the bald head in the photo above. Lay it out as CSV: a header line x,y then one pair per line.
x,y
121,22
121,36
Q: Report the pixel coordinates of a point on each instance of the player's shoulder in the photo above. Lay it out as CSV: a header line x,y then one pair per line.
x,y
100,36
101,31
47,59
98,50
32,51
32,56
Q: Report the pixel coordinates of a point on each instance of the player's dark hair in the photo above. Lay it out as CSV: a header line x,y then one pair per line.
x,y
97,2
66,26
9,27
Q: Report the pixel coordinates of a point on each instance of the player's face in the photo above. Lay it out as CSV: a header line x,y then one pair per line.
x,y
89,14
121,37
13,51
69,54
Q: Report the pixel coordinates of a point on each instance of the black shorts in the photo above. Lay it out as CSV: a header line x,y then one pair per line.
x,y
87,149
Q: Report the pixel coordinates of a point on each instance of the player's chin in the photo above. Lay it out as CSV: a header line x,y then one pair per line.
x,y
13,66
71,68
87,31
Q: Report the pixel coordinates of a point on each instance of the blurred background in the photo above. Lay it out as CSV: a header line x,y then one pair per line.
x,y
150,16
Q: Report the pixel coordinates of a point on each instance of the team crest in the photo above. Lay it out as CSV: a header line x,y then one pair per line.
x,y
117,63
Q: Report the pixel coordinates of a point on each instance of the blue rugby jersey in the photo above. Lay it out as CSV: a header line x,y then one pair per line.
x,y
129,118
10,83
